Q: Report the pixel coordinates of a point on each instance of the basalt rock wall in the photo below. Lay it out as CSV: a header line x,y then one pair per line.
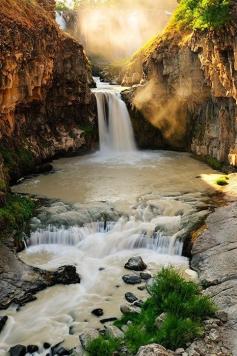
x,y
46,106
194,87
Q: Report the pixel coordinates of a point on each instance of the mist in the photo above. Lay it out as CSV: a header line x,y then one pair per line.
x,y
113,30
168,115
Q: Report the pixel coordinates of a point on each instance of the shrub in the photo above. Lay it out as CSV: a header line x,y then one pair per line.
x,y
185,308
17,210
202,14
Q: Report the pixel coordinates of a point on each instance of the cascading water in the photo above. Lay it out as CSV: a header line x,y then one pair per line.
x,y
115,128
60,20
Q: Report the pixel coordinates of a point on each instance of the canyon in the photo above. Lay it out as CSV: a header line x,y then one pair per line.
x,y
111,174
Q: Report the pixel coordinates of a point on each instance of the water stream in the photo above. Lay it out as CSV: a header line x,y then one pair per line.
x,y
147,196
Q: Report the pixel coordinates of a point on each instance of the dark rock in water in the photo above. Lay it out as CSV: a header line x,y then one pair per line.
x,y
59,350
32,348
43,168
18,350
136,264
130,297
132,279
46,345
98,312
66,275
145,276
108,320
3,320
138,303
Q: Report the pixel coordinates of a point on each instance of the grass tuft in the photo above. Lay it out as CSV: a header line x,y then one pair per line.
x,y
184,306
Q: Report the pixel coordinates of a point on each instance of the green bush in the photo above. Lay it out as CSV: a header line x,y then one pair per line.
x,y
176,332
17,210
185,309
202,14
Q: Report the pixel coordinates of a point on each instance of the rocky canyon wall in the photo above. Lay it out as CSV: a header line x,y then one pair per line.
x,y
46,106
188,90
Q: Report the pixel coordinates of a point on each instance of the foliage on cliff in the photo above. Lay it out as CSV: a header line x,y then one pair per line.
x,y
15,213
202,14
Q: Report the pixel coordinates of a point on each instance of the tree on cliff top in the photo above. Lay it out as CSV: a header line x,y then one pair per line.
x,y
202,14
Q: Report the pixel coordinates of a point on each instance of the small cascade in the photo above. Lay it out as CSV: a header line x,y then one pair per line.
x,y
115,128
102,239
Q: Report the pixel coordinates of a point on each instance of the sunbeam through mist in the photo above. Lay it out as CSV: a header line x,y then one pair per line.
x,y
113,30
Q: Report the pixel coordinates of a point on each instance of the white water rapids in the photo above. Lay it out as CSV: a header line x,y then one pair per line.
x,y
148,227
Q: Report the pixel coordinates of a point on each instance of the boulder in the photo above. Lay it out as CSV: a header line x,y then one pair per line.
x,y
87,337
66,275
32,348
114,332
159,320
18,350
98,312
126,309
132,279
154,350
136,264
130,297
145,276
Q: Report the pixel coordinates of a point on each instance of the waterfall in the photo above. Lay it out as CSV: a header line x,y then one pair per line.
x,y
115,128
60,20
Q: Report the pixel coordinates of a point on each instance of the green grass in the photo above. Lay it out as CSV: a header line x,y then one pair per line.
x,y
214,163
16,212
202,14
222,181
105,346
17,158
185,309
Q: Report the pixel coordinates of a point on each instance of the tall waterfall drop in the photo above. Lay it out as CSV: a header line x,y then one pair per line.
x,y
115,128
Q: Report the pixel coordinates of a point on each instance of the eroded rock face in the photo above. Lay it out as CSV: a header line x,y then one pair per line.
x,y
46,106
193,92
214,258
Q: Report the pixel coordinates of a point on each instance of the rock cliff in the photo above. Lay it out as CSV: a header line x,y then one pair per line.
x,y
189,89
46,106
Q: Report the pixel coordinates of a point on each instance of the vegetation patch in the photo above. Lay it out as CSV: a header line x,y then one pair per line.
x,y
202,14
183,308
222,181
214,163
16,212
14,159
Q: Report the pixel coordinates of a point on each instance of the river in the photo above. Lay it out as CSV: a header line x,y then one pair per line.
x,y
106,207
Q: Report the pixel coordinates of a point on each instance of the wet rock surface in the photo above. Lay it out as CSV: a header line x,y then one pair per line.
x,y
132,279
214,258
136,264
18,350
19,283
